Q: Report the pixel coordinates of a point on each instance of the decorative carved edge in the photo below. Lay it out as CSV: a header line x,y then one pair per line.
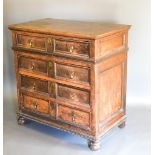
x,y
89,137
56,127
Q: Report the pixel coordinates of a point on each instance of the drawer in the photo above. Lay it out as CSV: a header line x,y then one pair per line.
x,y
72,73
31,42
35,105
33,65
74,117
34,84
73,94
72,47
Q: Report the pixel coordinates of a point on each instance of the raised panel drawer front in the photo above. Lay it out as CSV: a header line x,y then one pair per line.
x,y
35,105
73,94
33,65
74,117
33,84
72,73
72,47
31,42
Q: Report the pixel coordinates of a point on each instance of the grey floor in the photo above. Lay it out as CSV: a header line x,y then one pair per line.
x,y
36,139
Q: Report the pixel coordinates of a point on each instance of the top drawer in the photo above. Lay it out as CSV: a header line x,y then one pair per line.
x,y
59,46
72,47
35,42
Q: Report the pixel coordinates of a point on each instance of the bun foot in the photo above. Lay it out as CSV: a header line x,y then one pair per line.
x,y
122,125
94,145
21,120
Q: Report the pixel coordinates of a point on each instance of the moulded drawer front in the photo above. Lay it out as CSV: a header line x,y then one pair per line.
x,y
72,47
74,117
72,73
31,42
34,84
33,65
36,105
73,94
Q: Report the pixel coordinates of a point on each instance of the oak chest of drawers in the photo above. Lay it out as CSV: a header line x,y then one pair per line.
x,y
71,75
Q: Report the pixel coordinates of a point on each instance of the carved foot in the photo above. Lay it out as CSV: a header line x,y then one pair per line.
x,y
21,120
122,125
94,145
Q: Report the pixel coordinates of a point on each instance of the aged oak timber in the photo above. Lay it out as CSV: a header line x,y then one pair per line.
x,y
71,75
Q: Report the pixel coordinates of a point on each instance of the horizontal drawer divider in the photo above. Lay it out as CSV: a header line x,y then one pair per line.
x,y
42,77
84,107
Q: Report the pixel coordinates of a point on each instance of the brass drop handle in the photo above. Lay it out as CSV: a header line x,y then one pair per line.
x,y
34,86
32,66
73,116
73,96
72,75
35,104
71,49
30,42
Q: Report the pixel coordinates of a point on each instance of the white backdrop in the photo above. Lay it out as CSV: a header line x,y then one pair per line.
x,y
132,12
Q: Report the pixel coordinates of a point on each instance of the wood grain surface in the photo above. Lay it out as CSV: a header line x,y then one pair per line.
x,y
71,28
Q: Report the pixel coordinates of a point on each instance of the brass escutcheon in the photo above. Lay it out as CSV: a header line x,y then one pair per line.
x,y
49,40
52,84
50,65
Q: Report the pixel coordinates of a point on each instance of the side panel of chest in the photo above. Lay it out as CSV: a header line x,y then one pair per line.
x,y
111,90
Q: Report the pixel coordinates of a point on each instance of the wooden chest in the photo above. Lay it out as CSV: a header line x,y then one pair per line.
x,y
71,75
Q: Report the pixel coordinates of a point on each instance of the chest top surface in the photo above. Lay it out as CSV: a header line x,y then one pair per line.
x,y
91,30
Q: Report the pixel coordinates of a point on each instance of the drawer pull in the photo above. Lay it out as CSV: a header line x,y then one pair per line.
x,y
30,42
35,104
72,75
71,49
73,116
32,66
73,96
34,86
